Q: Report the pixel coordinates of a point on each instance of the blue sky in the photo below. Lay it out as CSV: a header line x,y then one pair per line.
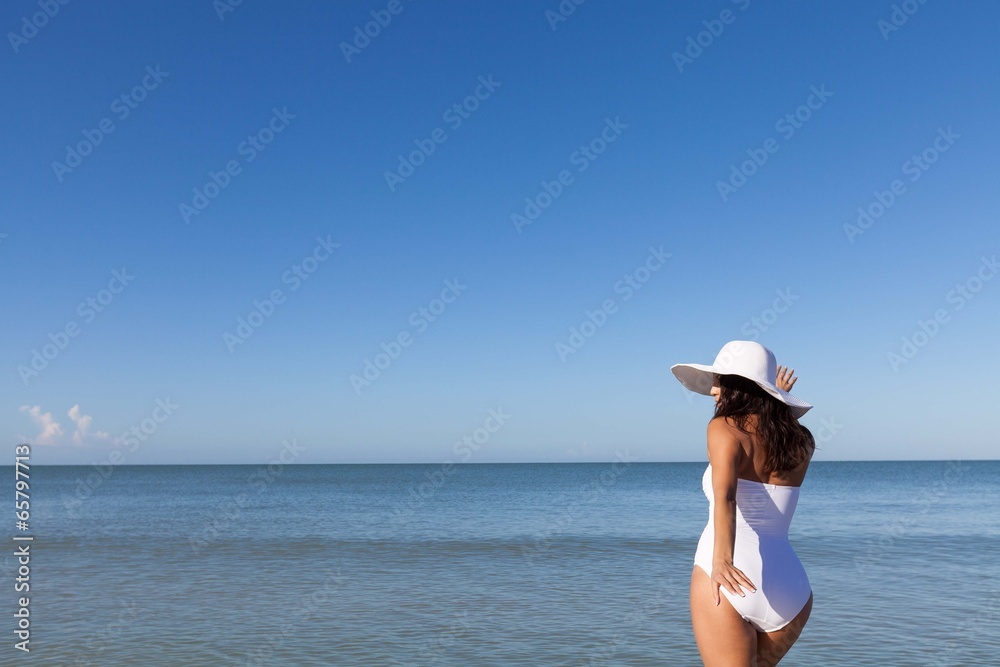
x,y
465,189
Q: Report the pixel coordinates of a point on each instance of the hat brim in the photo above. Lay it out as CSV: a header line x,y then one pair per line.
x,y
699,378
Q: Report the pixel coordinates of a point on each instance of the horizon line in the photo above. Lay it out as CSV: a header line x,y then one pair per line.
x,y
480,463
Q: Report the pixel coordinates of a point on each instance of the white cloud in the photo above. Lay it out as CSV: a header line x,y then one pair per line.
x,y
51,431
82,424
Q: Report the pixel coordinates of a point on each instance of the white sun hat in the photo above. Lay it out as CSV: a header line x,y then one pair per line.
x,y
747,359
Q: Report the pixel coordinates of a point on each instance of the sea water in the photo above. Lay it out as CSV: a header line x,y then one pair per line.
x,y
485,564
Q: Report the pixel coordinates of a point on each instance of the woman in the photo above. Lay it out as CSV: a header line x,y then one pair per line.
x,y
758,455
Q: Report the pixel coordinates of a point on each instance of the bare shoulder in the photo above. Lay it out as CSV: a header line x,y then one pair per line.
x,y
721,423
723,439
724,429
725,453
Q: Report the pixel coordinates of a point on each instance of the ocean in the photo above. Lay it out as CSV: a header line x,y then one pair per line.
x,y
484,564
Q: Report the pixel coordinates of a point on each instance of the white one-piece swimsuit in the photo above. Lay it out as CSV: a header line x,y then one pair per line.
x,y
762,552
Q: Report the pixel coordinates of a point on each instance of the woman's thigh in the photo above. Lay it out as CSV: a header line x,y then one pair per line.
x,y
772,646
724,638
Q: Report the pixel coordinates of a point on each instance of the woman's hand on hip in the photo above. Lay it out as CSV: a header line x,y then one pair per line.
x,y
726,574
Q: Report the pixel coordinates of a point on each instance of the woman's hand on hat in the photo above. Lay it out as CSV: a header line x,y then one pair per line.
x,y
786,378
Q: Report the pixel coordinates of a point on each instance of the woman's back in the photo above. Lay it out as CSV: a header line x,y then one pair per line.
x,y
762,510
753,467
761,550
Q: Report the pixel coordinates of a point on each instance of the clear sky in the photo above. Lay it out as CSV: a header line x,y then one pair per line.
x,y
484,231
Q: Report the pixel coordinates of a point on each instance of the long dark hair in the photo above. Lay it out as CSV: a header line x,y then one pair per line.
x,y
786,442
